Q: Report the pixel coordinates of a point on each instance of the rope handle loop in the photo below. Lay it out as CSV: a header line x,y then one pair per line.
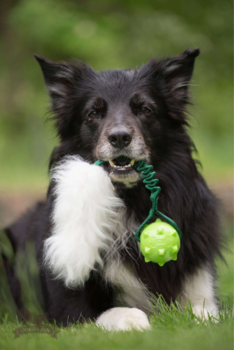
x,y
151,184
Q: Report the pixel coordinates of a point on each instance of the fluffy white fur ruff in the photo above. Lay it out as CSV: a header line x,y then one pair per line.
x,y
85,216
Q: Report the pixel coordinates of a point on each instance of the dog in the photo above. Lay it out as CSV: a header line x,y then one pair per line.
x,y
90,264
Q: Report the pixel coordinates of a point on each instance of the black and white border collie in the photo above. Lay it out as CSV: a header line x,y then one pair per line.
x,y
90,264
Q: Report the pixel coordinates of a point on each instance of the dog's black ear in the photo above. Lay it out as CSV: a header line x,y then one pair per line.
x,y
177,72
62,80
174,75
59,78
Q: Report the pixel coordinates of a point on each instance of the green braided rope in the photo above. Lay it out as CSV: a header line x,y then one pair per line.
x,y
99,162
151,184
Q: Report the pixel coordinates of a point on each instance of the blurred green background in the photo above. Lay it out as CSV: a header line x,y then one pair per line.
x,y
110,34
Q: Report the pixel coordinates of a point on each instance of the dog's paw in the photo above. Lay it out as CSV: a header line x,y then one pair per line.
x,y
204,314
123,319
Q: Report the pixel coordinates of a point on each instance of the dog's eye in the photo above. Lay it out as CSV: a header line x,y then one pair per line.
x,y
145,110
92,114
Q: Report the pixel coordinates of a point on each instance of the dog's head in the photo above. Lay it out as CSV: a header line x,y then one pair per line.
x,y
120,116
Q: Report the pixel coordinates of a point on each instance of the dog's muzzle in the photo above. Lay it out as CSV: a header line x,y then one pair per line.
x,y
121,169
120,149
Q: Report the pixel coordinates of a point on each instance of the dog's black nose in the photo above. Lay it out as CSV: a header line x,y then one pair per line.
x,y
120,138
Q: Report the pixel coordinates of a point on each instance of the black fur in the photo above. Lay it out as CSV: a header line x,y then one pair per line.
x,y
185,197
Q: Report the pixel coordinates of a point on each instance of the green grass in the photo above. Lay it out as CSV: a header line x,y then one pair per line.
x,y
171,329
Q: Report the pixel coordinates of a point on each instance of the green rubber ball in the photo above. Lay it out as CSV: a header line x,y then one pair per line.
x,y
159,242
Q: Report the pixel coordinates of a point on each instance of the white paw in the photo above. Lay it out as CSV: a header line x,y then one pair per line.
x,y
203,313
123,319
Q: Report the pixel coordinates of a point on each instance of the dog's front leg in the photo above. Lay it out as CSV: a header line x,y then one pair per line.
x,y
123,319
199,289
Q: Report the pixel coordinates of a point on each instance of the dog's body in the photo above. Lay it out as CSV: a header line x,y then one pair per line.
x,y
90,263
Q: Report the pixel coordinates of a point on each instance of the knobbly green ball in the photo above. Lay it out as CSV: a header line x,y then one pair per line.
x,y
159,242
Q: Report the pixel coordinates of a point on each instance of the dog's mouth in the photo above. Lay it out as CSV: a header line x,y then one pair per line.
x,y
121,163
121,169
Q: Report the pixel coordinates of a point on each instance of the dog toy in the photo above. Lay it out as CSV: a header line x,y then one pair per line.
x,y
159,241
